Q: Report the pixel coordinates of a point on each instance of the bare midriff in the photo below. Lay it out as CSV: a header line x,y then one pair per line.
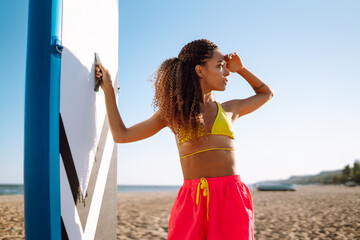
x,y
213,163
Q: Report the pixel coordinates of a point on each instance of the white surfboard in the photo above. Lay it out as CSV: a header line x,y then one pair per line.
x,y
88,156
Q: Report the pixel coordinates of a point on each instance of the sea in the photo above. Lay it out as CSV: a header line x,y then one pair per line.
x,y
18,189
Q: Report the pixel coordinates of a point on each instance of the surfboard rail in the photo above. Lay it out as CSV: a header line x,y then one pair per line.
x,y
41,123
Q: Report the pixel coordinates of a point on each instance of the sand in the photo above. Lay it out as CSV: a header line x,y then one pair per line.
x,y
12,217
311,212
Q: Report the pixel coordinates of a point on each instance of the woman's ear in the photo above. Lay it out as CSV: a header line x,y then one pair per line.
x,y
199,71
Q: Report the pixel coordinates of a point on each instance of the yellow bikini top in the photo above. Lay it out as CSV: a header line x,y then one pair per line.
x,y
221,126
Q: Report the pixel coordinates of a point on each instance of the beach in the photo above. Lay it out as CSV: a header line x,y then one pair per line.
x,y
311,212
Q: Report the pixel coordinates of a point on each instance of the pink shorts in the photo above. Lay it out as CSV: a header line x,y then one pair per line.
x,y
212,208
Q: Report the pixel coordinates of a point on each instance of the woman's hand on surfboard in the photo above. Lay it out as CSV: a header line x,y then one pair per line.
x,y
233,62
106,83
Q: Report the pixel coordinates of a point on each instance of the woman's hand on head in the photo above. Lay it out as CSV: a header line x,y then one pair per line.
x,y
106,83
233,62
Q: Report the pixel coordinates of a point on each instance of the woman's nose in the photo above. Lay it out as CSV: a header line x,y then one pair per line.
x,y
227,73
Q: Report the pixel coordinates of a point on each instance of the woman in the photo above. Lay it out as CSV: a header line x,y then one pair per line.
x,y
213,203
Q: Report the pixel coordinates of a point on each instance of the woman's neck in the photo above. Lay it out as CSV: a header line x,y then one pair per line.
x,y
208,97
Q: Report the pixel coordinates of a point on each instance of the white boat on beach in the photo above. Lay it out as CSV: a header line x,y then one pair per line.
x,y
276,187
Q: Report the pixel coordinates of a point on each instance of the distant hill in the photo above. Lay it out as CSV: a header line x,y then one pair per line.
x,y
322,177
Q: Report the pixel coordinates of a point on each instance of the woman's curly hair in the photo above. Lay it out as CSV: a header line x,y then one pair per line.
x,y
177,88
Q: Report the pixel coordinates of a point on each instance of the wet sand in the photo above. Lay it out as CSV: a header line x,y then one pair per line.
x,y
311,212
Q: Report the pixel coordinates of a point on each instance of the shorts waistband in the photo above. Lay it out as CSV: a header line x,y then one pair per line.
x,y
213,180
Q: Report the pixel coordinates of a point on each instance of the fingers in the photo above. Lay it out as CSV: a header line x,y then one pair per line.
x,y
98,73
228,56
231,55
99,69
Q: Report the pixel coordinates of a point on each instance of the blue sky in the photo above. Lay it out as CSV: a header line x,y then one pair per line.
x,y
307,51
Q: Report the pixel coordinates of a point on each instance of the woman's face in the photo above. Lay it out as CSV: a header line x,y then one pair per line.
x,y
214,74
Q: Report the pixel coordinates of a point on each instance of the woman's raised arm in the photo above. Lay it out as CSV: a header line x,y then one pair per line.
x,y
120,133
240,107
264,93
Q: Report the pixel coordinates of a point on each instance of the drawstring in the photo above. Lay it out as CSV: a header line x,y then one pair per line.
x,y
204,185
